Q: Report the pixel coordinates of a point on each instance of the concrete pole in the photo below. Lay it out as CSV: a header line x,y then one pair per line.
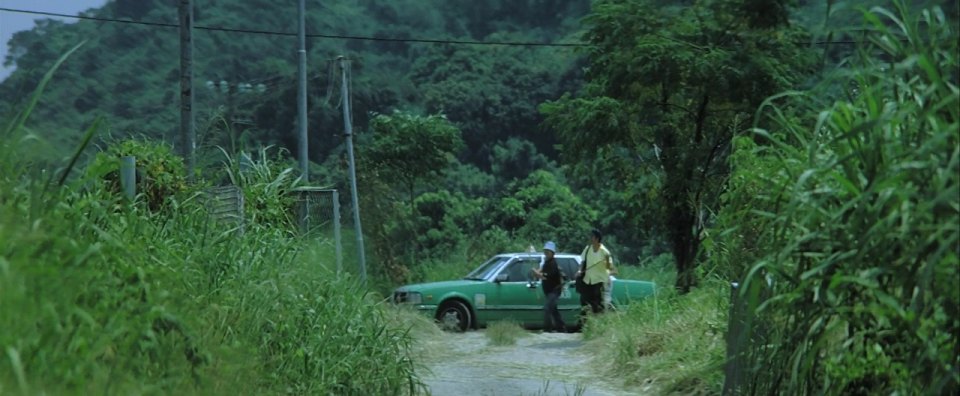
x,y
348,132
128,176
187,131
336,231
302,88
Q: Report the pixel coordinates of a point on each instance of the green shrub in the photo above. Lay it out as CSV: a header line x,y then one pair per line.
x,y
852,225
266,184
160,172
541,208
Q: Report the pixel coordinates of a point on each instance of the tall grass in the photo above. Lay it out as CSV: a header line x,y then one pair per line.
x,y
99,300
853,216
546,390
100,295
672,343
658,269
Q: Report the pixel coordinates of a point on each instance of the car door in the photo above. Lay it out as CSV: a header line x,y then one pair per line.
x,y
569,303
517,295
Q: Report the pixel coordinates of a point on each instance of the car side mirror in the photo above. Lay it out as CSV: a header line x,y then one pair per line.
x,y
502,278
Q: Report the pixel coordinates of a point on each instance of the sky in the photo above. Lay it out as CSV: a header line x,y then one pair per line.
x,y
12,22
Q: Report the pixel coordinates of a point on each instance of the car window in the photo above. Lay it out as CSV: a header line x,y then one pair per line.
x,y
568,265
483,271
521,270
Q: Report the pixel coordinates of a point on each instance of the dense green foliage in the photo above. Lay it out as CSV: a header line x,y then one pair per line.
x,y
129,72
266,185
704,136
842,218
488,93
102,295
410,219
409,150
161,172
681,82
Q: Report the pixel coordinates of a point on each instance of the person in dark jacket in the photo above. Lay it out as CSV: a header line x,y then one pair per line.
x,y
552,282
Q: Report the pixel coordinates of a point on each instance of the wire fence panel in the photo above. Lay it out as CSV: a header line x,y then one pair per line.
x,y
733,369
318,216
225,205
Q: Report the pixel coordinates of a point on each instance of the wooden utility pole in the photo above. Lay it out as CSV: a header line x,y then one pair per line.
x,y
187,132
348,133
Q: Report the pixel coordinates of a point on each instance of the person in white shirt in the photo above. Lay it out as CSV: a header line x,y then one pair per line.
x,y
597,268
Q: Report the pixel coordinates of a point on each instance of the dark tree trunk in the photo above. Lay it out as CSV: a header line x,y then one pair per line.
x,y
684,241
682,203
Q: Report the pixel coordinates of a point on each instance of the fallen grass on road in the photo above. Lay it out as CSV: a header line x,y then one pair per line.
x,y
504,333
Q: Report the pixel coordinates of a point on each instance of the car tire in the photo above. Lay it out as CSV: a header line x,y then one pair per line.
x,y
454,316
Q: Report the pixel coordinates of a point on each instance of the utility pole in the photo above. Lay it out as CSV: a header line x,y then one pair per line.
x,y
348,132
230,114
187,132
302,90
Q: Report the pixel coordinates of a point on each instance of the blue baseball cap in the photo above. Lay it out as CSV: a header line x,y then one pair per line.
x,y
550,246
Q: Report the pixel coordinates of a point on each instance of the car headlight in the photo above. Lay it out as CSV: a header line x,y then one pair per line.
x,y
405,297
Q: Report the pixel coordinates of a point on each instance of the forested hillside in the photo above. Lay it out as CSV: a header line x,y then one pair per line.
x,y
130,72
246,92
804,150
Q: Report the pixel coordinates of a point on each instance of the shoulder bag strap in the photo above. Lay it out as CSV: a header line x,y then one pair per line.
x,y
583,263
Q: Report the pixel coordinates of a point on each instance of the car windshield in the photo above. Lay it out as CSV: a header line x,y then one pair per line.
x,y
486,268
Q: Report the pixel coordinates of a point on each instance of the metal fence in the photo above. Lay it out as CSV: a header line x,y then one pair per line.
x,y
225,205
747,336
318,213
736,343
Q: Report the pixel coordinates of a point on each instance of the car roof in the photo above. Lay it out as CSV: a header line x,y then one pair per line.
x,y
534,254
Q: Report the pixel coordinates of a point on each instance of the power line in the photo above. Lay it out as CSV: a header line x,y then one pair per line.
x,y
313,35
351,37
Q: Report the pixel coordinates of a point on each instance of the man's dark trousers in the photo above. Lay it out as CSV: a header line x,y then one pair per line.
x,y
552,321
592,295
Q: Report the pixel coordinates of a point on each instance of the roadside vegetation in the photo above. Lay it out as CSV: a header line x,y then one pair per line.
x,y
839,221
100,294
843,221
709,141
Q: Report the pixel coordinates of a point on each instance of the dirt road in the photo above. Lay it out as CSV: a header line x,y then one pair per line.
x,y
539,364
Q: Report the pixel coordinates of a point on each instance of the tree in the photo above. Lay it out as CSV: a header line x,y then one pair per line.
x,y
682,80
517,158
128,72
408,149
544,208
491,92
404,152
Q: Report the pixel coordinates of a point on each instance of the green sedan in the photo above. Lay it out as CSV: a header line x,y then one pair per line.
x,y
505,288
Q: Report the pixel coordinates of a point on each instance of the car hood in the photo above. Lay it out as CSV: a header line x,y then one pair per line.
x,y
459,284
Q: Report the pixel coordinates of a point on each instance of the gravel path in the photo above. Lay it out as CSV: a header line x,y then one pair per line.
x,y
463,364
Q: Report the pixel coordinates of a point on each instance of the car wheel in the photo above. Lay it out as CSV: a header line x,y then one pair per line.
x,y
453,316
